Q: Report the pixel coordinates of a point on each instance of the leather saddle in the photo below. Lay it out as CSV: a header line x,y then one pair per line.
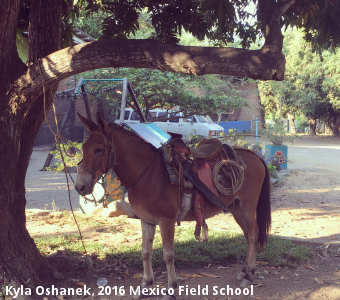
x,y
207,149
197,165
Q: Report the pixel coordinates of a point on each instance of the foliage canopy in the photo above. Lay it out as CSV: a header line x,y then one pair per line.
x,y
220,21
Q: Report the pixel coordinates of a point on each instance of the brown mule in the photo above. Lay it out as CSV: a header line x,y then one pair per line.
x,y
140,168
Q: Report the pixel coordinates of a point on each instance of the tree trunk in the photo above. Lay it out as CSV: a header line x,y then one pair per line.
x,y
336,125
292,123
330,125
312,127
20,260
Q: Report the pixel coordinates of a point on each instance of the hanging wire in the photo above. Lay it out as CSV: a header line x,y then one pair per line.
x,y
70,93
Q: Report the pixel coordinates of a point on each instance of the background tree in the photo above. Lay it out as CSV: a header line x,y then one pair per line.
x,y
203,95
331,84
311,85
22,100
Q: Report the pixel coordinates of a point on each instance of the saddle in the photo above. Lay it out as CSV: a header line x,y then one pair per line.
x,y
207,149
212,167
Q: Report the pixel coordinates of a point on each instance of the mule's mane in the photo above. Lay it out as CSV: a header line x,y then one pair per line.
x,y
131,135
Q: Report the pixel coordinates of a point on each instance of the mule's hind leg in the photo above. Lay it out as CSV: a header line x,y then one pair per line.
x,y
252,238
247,222
148,234
167,227
237,214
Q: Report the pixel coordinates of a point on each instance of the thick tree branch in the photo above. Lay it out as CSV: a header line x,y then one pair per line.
x,y
150,54
270,16
286,6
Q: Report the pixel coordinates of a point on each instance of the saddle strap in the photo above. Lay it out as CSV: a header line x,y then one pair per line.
x,y
199,208
182,150
205,174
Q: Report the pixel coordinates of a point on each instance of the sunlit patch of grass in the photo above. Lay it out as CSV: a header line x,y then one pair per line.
x,y
283,252
223,247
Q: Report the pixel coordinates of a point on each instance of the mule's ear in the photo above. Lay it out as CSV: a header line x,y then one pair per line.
x,y
102,124
87,123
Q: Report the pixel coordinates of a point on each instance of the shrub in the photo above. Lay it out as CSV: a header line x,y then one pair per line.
x,y
71,160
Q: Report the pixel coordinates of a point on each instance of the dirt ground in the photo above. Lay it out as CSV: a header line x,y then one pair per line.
x,y
306,208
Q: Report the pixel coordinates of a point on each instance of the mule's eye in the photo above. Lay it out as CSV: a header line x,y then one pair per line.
x,y
98,150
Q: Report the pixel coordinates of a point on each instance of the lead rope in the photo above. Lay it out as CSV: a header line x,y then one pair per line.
x,y
58,138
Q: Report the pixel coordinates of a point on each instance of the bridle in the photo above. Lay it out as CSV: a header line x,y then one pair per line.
x,y
111,157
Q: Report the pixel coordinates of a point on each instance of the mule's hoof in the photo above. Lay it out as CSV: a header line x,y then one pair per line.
x,y
245,283
169,297
241,276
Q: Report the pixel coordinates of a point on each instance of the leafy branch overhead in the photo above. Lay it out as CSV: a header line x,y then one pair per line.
x,y
221,21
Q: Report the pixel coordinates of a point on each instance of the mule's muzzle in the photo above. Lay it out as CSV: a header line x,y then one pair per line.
x,y
83,188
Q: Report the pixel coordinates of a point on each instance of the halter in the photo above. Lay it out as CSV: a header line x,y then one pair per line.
x,y
108,144
111,155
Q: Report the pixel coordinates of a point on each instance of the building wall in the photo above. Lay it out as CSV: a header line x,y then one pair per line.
x,y
73,130
62,105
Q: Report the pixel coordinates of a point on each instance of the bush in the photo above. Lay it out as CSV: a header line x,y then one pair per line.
x,y
277,134
235,140
300,124
71,160
272,170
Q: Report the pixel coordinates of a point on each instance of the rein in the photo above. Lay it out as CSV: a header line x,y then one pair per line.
x,y
140,177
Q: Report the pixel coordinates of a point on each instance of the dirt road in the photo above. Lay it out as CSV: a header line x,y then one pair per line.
x,y
44,188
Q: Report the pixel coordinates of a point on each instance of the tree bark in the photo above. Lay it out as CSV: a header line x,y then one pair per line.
x,y
292,123
336,125
312,127
20,260
150,54
270,14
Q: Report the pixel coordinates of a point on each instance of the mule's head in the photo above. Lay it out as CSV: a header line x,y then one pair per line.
x,y
98,155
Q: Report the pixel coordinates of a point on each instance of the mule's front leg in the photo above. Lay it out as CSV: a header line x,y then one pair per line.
x,y
167,227
148,234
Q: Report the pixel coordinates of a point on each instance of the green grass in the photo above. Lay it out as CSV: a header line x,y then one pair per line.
x,y
71,242
222,247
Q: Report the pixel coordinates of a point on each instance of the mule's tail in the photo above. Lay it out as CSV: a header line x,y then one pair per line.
x,y
263,210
